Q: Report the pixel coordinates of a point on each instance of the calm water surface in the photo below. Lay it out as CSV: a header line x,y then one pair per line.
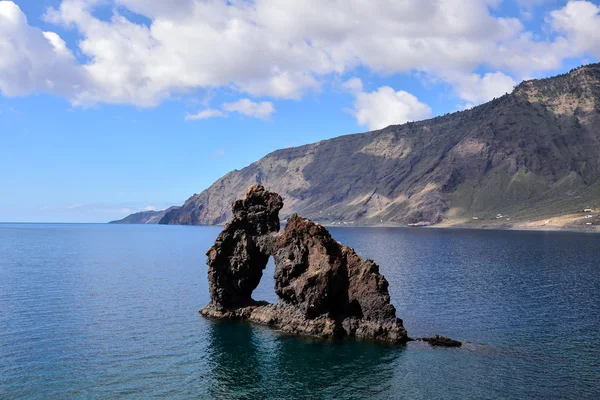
x,y
109,311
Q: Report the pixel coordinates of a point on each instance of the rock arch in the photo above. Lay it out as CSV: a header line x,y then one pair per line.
x,y
324,288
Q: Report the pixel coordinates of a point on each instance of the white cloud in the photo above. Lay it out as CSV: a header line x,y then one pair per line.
x,y
32,60
477,89
204,114
150,208
580,22
274,48
353,85
262,110
385,107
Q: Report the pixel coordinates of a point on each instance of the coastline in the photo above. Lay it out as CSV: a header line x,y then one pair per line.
x,y
564,223
568,223
595,230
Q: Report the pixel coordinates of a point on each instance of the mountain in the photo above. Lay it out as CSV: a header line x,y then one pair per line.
x,y
144,217
527,156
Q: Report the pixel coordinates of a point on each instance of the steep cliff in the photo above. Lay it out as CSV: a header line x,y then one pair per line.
x,y
531,154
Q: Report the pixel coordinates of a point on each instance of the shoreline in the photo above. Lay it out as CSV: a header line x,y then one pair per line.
x,y
537,226
442,225
465,227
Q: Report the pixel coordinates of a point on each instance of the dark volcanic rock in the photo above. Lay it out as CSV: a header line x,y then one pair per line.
x,y
438,340
325,289
236,260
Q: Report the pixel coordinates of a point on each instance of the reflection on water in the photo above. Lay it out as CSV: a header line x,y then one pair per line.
x,y
235,359
253,362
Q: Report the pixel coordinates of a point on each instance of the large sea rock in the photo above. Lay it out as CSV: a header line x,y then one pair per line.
x,y
324,288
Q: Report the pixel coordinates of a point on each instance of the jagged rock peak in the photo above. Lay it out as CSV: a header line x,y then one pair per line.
x,y
325,289
236,260
258,211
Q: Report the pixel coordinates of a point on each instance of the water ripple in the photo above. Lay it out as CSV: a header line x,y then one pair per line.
x,y
95,311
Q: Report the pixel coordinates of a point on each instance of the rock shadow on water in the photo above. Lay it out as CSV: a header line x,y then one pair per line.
x,y
249,361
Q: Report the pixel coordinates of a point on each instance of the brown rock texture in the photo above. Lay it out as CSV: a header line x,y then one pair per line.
x,y
325,289
236,260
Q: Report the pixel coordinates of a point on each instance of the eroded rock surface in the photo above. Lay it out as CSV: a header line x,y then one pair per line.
x,y
325,289
236,260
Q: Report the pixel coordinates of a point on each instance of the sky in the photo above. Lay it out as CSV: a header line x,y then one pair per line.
x,y
109,107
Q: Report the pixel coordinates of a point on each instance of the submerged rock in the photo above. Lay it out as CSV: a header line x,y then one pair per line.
x,y
325,289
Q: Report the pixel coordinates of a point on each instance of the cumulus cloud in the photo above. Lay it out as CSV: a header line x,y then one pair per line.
x,y
579,21
32,60
205,114
385,107
476,89
262,110
353,85
272,48
150,208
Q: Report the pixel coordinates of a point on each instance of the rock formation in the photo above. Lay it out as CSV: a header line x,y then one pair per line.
x,y
325,289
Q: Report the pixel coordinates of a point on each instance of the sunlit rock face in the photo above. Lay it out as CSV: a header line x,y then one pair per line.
x,y
325,289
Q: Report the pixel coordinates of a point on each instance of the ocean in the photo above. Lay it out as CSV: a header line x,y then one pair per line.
x,y
110,311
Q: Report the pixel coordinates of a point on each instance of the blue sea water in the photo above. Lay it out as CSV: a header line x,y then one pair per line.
x,y
109,311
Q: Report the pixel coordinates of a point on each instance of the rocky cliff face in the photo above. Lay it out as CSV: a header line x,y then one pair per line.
x,y
144,217
534,153
325,289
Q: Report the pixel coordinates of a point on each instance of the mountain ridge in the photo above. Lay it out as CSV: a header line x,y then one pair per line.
x,y
529,155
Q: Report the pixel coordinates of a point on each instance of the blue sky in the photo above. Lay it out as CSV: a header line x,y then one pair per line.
x,y
112,106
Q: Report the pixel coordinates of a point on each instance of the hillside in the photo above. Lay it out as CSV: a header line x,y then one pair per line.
x,y
530,155
144,217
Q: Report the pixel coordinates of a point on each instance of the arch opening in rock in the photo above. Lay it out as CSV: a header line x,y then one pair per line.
x,y
324,288
265,291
